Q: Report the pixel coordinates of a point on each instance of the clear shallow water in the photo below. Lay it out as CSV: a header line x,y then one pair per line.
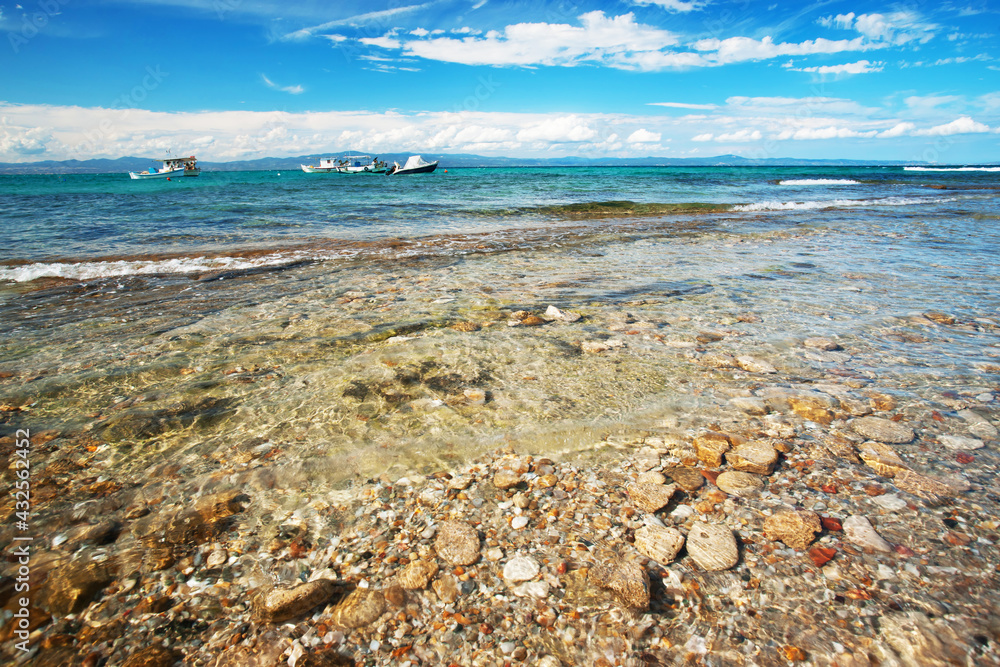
x,y
318,312
74,218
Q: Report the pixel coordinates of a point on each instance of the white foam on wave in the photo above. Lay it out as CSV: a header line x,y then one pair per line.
x,y
91,270
951,168
819,181
832,203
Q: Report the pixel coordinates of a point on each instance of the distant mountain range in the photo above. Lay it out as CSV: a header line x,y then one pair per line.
x,y
455,161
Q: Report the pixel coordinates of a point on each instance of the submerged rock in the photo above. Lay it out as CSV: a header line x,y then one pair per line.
x,y
883,430
457,543
859,530
278,604
712,546
796,528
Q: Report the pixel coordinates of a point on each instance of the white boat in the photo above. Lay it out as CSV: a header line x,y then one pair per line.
x,y
414,165
172,167
349,164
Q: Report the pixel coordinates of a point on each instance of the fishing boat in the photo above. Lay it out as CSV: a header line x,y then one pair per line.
x,y
349,164
172,167
414,165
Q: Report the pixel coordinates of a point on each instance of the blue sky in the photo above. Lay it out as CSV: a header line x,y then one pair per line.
x,y
243,79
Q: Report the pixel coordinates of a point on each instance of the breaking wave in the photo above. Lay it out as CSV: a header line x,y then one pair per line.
x,y
831,203
951,168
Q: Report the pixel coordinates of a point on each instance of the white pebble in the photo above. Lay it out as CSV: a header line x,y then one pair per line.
x,y
519,522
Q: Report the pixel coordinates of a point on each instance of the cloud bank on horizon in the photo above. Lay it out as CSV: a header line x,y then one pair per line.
x,y
245,79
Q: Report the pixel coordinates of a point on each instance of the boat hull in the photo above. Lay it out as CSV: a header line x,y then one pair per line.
x,y
139,176
309,169
424,169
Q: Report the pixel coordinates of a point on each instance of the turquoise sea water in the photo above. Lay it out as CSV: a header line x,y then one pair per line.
x,y
57,224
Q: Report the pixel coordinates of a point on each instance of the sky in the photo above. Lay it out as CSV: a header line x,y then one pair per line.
x,y
246,79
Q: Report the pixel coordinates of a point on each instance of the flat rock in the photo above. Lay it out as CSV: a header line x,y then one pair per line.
x,y
688,479
712,546
883,430
505,479
859,531
710,446
754,365
651,497
457,543
960,442
796,528
417,574
756,456
751,405
659,543
718,360
70,588
882,458
646,458
362,607
923,486
737,483
651,477
553,313
520,568
279,604
627,581
821,343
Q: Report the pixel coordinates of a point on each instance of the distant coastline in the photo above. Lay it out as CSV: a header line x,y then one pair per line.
x,y
459,160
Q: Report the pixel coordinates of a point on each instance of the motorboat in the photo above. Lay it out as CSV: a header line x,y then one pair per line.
x,y
172,167
349,164
414,165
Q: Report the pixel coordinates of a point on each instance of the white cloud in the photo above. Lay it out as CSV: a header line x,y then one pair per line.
x,y
741,136
860,67
963,125
387,41
564,129
896,28
293,90
707,136
674,5
897,130
683,105
644,136
615,41
831,132
740,49
358,19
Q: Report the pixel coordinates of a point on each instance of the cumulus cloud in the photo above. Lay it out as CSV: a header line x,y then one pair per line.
x,y
963,125
741,49
897,130
644,136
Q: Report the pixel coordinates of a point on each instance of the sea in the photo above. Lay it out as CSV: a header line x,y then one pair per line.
x,y
368,325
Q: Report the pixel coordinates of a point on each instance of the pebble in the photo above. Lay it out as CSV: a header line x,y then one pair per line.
x,y
858,530
960,442
889,501
738,483
712,546
279,604
659,543
882,430
519,522
710,447
820,343
417,574
505,479
457,543
755,456
688,479
521,568
796,528
360,608
754,365
651,497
